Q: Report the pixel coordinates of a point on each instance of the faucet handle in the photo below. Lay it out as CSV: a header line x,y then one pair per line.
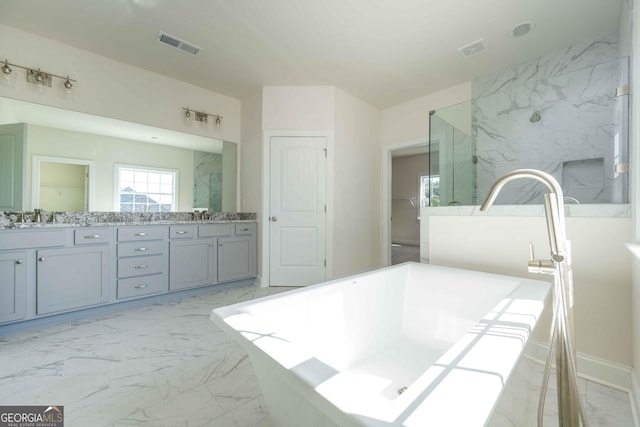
x,y
531,254
539,266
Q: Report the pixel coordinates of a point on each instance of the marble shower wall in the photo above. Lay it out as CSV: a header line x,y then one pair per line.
x,y
578,138
207,181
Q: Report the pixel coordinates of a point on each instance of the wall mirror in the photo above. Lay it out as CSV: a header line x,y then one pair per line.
x,y
566,113
57,159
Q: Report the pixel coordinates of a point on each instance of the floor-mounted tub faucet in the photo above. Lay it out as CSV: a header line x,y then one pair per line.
x,y
570,405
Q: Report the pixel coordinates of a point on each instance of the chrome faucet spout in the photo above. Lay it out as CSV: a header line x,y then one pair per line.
x,y
554,206
543,177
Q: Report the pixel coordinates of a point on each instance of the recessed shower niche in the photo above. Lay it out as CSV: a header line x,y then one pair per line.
x,y
583,180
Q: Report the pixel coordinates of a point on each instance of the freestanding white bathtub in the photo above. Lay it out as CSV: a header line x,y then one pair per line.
x,y
409,345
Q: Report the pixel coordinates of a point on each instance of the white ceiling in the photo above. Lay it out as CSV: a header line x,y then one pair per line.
x,y
384,52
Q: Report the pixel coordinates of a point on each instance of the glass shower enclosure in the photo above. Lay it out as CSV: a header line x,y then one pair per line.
x,y
452,158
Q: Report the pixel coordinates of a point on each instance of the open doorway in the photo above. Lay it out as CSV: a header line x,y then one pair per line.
x,y
409,168
62,184
405,167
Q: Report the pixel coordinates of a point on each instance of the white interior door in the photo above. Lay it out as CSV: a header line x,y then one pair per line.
x,y
297,211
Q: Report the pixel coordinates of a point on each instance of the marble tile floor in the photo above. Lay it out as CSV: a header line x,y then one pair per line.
x,y
518,406
167,364
404,253
164,364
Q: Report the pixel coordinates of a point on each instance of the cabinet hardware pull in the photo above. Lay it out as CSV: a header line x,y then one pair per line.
x,y
210,245
41,259
244,229
181,232
141,234
141,286
19,261
141,266
220,244
92,236
140,249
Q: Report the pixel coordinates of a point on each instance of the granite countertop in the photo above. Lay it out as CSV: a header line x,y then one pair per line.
x,y
36,225
11,220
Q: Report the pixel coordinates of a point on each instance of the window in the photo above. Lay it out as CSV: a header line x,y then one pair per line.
x,y
429,190
145,190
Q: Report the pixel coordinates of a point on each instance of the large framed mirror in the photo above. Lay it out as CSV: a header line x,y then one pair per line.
x,y
59,159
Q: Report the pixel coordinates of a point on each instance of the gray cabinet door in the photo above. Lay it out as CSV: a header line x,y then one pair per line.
x,y
192,263
236,258
72,278
13,298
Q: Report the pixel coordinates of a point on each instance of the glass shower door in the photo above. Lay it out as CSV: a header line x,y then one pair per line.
x,y
451,164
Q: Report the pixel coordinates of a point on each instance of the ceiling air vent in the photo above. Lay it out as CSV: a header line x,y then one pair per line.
x,y
472,48
172,41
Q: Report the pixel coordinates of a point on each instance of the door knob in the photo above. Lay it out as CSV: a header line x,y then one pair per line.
x,y
274,218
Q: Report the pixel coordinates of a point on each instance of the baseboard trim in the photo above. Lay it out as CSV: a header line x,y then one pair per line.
x,y
594,369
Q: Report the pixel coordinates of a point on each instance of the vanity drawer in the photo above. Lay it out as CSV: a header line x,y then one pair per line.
x,y
140,248
139,286
180,231
21,239
139,266
128,234
92,236
245,228
215,230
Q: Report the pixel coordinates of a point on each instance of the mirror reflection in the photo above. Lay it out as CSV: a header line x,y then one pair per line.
x,y
61,160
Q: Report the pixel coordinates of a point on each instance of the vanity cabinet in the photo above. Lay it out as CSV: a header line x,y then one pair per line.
x,y
54,269
13,285
192,263
140,261
74,277
211,254
237,255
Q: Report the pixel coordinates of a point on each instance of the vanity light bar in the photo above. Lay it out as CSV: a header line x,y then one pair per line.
x,y
201,116
36,76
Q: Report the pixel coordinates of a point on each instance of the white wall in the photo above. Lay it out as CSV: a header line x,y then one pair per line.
x,y
356,186
410,120
601,268
113,89
298,107
106,152
251,153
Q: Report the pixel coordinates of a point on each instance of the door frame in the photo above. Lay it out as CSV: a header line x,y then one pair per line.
x,y
386,192
263,278
90,186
